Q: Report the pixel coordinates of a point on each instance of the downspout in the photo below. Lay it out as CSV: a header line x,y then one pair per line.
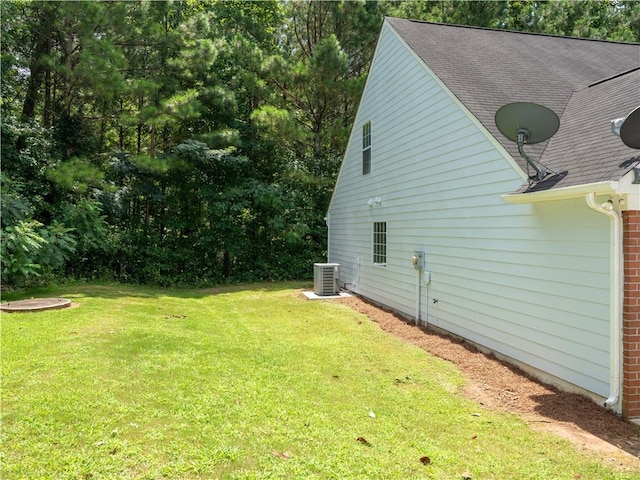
x,y
615,286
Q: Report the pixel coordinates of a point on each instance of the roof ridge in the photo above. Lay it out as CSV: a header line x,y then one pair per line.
x,y
504,30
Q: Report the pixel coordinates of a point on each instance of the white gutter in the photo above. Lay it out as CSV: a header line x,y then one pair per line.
x,y
615,288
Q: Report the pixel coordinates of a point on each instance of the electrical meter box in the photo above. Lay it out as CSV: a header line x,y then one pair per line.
x,y
418,259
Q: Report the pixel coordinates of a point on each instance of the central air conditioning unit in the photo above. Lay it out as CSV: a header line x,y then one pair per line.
x,y
325,278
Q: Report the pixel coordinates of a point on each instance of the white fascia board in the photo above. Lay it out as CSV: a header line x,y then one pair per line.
x,y
507,156
576,191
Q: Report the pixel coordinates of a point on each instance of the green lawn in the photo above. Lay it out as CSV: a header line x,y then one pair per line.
x,y
245,383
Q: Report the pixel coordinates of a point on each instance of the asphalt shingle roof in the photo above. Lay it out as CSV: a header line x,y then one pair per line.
x,y
487,68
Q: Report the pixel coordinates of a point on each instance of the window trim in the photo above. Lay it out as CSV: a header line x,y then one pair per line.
x,y
379,244
366,148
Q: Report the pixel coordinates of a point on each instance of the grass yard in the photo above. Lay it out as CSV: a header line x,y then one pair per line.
x,y
245,383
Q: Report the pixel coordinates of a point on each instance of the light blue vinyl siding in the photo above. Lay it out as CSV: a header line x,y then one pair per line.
x,y
528,281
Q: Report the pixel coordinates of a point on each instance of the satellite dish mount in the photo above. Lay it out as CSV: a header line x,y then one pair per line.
x,y
523,136
526,123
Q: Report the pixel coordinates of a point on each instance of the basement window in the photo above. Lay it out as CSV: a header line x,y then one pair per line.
x,y
366,148
380,243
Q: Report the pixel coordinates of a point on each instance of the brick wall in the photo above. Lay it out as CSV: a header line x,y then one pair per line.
x,y
631,315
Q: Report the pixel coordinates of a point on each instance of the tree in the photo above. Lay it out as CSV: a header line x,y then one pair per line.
x,y
318,75
607,19
481,14
199,141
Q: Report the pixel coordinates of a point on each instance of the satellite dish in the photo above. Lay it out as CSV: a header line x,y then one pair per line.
x,y
527,123
630,129
541,122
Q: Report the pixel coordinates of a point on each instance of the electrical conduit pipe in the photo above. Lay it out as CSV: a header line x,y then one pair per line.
x,y
615,287
418,295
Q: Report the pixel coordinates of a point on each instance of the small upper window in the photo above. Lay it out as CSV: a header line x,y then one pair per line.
x,y
366,148
380,243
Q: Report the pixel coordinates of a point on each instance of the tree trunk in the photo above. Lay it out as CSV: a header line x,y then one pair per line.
x,y
226,264
42,49
48,101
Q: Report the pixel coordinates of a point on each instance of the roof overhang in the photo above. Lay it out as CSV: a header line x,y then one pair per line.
x,y
625,189
566,193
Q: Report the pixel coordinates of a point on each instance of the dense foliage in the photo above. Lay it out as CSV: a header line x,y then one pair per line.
x,y
198,141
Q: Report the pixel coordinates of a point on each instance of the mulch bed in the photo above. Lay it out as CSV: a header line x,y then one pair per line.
x,y
499,386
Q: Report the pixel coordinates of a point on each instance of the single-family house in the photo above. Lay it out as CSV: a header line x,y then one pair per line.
x,y
437,215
